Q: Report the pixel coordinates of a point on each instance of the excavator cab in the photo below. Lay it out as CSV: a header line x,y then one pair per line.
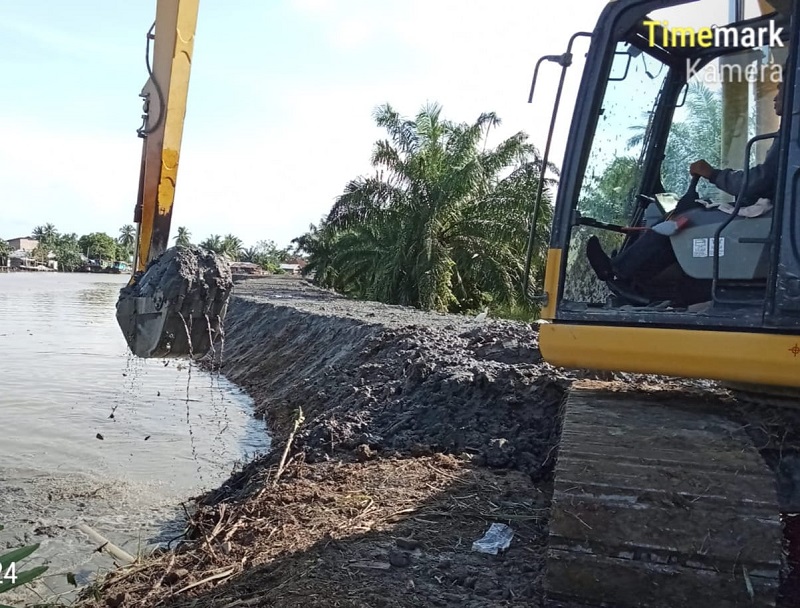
x,y
670,498
667,83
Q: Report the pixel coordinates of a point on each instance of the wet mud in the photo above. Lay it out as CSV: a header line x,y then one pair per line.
x,y
408,433
176,308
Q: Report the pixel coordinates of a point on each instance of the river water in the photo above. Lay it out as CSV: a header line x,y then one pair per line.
x,y
90,434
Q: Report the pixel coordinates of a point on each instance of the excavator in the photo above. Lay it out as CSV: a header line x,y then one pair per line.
x,y
660,498
678,500
175,303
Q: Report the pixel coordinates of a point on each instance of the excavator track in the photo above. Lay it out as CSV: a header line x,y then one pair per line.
x,y
660,503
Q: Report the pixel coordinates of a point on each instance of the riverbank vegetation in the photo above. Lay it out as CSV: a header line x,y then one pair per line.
x,y
442,223
265,253
71,252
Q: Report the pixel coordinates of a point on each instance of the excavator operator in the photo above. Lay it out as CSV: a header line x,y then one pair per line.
x,y
634,273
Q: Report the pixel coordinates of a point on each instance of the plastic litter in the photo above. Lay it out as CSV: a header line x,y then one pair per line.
x,y
497,538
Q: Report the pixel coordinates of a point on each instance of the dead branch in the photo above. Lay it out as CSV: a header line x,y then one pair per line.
x,y
299,419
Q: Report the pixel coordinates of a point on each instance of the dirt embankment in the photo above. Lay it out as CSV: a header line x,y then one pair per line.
x,y
420,430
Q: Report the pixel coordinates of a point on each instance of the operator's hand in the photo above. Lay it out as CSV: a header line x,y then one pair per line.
x,y
701,168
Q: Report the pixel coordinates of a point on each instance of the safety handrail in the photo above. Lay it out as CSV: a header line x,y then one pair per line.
x,y
564,60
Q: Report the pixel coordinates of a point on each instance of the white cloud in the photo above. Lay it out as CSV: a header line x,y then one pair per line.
x,y
276,164
79,180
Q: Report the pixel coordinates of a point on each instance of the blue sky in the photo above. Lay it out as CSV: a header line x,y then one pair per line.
x,y
280,103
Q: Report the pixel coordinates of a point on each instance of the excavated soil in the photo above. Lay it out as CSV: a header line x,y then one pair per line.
x,y
191,288
180,271
414,432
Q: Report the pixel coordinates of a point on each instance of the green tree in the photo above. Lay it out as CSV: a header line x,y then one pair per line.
x,y
249,254
46,234
231,246
127,236
319,246
269,256
183,238
212,243
98,245
126,241
608,197
5,251
41,253
698,136
123,253
441,225
67,252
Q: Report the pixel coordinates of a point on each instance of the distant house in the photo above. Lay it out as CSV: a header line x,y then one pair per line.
x,y
246,268
291,268
294,265
23,243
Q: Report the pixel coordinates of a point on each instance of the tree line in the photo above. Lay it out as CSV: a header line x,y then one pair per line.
x,y
70,250
442,222
265,253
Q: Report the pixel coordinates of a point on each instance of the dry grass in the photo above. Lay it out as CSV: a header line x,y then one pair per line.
x,y
394,532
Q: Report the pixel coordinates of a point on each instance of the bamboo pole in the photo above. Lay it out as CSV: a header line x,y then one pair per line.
x,y
106,544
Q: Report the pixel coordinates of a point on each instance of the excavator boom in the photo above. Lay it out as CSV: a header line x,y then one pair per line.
x,y
165,96
176,300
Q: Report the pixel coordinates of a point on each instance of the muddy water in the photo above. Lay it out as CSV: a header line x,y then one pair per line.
x,y
90,434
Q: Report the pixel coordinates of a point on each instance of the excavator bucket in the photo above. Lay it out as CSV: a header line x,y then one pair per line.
x,y
176,307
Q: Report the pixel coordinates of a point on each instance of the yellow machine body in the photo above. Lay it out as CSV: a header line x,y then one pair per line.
x,y
166,93
736,356
757,342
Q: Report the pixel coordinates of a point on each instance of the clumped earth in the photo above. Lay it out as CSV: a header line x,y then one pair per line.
x,y
399,436
186,291
180,271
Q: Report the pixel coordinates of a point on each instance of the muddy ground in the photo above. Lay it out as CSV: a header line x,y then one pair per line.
x,y
419,430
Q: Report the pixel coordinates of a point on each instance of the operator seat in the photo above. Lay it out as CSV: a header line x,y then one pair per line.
x,y
743,247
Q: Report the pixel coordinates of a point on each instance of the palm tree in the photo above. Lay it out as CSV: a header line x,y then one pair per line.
x,y
250,254
212,243
127,236
126,240
443,222
231,246
46,234
318,244
696,137
183,238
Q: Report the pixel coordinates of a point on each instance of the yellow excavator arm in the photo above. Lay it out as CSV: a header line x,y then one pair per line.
x,y
165,95
177,298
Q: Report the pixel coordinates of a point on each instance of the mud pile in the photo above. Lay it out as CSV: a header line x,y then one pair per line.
x,y
394,381
177,306
420,430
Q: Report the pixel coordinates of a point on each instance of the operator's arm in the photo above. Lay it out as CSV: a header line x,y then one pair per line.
x,y
760,181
